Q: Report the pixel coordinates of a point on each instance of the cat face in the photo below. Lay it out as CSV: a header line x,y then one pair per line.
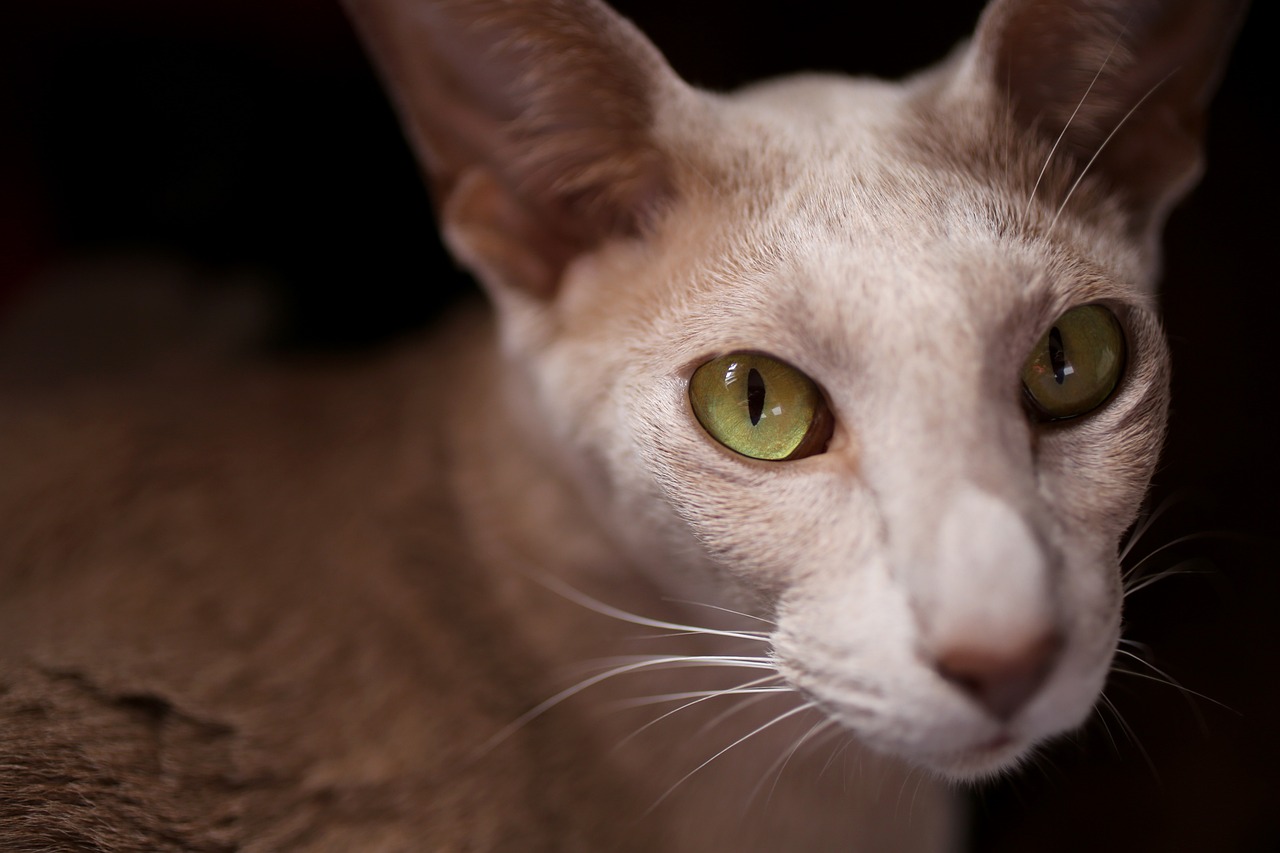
x,y
940,564
943,521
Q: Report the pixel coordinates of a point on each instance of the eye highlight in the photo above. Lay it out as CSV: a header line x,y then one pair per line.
x,y
760,407
1076,365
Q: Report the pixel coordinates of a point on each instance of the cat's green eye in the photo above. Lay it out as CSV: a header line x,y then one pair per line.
x,y
1076,365
760,407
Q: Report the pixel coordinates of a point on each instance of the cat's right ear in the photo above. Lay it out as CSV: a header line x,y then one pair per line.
x,y
534,123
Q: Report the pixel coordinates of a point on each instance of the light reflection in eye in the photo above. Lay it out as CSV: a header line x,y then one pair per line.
x,y
777,414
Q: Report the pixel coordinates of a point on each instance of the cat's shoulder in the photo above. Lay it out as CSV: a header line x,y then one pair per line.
x,y
239,607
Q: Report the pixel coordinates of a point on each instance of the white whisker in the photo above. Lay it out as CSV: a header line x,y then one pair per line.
x,y
721,609
1148,580
750,688
1130,733
1167,679
1110,136
1103,720
661,699
780,765
1144,524
596,665
737,708
1043,762
670,635
778,719
654,662
1216,535
565,591
849,740
1062,135
1132,573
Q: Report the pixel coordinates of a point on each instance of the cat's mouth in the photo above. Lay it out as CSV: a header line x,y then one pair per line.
x,y
998,742
989,753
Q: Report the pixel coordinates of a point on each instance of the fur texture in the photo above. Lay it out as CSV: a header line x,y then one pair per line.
x,y
311,608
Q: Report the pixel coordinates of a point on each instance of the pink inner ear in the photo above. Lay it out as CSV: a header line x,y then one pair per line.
x,y
553,101
490,230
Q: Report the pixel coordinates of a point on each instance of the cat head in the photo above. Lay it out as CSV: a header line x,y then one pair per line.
x,y
881,360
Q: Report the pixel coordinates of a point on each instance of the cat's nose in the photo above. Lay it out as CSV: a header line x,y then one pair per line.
x,y
1000,680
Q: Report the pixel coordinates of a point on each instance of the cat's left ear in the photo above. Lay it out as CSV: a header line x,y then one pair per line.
x,y
534,121
1124,85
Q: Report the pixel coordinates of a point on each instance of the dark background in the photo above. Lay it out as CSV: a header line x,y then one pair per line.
x,y
250,135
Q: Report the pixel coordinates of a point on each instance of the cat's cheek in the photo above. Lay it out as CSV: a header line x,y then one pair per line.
x,y
1091,597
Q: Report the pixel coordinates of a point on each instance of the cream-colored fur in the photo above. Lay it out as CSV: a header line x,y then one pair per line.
x,y
312,608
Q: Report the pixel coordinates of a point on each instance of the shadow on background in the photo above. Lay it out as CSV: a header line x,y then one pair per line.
x,y
245,136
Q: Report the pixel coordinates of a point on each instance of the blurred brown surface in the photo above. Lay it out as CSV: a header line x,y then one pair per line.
x,y
249,136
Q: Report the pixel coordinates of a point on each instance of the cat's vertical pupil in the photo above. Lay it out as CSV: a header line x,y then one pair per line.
x,y
1074,368
760,407
755,396
1057,356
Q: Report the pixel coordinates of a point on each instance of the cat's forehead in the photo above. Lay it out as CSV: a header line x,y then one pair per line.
x,y
851,253
837,301
858,223
914,153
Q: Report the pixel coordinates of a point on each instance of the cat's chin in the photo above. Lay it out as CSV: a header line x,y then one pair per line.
x,y
992,750
980,762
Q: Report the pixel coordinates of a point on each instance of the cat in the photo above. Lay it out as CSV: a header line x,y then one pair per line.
x,y
847,389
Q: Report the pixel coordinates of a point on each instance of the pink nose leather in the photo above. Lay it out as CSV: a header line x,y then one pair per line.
x,y
1000,680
